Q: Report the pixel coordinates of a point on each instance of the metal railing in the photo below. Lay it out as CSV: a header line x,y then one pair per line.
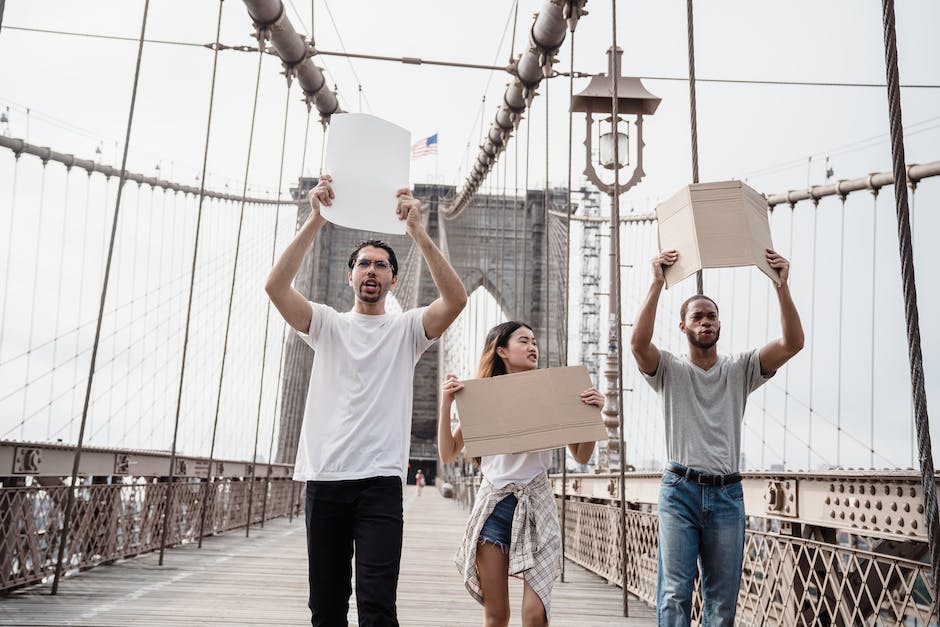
x,y
121,516
795,571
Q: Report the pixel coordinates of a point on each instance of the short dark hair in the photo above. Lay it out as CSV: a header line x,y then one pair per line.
x,y
691,299
375,243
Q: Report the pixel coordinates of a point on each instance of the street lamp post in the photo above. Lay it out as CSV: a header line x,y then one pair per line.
x,y
613,95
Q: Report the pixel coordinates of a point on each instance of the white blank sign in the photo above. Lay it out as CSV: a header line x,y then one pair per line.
x,y
369,160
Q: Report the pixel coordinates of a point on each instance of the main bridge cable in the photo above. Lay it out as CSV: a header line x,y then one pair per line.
x,y
270,18
189,303
925,452
545,37
70,502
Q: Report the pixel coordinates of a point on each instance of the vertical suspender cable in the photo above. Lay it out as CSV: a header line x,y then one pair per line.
x,y
525,217
841,324
9,261
615,284
693,117
910,298
874,307
280,365
231,295
812,350
167,503
547,276
567,303
32,307
267,313
58,302
70,502
517,239
786,375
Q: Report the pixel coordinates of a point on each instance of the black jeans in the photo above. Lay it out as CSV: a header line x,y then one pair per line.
x,y
366,513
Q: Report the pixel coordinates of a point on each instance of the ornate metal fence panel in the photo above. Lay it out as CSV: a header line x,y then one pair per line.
x,y
120,520
787,579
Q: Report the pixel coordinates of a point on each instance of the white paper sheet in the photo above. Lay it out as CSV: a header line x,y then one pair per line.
x,y
369,160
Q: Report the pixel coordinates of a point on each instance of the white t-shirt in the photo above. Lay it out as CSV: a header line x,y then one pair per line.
x,y
501,470
357,420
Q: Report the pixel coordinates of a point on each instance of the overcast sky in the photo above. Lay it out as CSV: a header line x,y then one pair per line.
x,y
78,89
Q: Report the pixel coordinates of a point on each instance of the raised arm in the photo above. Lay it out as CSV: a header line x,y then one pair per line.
x,y
444,310
449,443
641,341
293,306
778,352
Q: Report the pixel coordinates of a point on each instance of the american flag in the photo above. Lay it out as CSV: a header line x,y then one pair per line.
x,y
426,146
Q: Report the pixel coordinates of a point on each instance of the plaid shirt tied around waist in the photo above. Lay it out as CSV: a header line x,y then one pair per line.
x,y
535,541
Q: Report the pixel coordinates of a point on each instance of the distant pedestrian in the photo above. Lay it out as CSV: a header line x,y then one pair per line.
x,y
419,480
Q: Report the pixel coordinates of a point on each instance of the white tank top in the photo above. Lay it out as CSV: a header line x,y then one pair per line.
x,y
501,470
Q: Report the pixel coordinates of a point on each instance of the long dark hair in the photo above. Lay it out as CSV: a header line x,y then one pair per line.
x,y
491,364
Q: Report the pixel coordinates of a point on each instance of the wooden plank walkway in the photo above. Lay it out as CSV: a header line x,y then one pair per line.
x,y
262,581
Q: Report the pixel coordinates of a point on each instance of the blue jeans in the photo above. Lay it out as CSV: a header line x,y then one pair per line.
x,y
704,525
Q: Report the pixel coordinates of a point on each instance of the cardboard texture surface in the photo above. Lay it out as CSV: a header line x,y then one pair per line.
x,y
715,225
527,411
369,160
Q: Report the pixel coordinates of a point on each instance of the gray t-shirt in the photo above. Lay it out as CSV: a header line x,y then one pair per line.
x,y
704,408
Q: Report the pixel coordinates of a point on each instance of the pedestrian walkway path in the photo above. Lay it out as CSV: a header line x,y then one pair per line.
x,y
262,580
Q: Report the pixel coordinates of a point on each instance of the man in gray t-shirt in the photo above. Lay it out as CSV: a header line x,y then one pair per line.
x,y
703,395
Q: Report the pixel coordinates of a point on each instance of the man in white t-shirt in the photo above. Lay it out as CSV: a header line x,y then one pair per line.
x,y
356,432
703,394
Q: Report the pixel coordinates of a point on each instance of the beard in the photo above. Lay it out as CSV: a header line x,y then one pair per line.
x,y
704,345
375,297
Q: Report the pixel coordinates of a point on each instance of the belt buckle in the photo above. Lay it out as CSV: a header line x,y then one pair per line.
x,y
703,479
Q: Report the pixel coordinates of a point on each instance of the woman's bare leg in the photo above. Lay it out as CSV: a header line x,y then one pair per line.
x,y
533,611
493,568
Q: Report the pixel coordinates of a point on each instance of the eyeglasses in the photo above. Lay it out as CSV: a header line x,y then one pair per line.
x,y
380,264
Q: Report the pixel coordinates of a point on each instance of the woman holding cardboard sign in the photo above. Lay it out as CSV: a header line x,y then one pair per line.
x,y
513,528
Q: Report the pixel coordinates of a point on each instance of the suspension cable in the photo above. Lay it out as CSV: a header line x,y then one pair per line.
x,y
525,216
284,331
58,300
874,307
618,319
231,298
911,315
32,307
9,261
67,516
189,301
547,277
812,343
267,313
699,286
567,303
840,334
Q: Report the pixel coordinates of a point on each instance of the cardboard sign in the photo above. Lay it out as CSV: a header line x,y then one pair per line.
x,y
715,225
527,411
369,160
